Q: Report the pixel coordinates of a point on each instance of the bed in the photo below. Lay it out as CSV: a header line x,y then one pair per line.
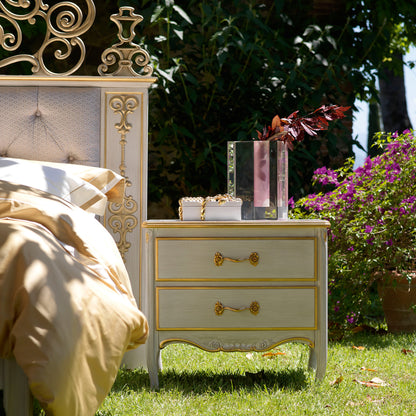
x,y
73,196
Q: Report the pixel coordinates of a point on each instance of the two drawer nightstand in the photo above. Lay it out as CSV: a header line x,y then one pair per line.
x,y
236,286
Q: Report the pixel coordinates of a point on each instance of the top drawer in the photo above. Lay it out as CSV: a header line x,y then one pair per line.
x,y
227,259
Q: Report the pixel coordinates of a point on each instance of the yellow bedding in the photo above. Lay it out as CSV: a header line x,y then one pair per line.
x,y
67,313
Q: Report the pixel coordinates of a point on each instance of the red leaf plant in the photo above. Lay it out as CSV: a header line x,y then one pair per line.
x,y
294,127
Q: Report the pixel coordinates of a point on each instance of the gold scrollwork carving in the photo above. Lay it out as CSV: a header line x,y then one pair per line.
x,y
123,105
65,23
122,220
125,57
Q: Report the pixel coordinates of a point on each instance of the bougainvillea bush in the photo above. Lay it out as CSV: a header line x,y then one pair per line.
x,y
373,224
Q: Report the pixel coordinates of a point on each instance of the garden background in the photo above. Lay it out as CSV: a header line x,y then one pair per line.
x,y
360,122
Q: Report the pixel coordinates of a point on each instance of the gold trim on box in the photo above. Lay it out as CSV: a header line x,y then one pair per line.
x,y
304,340
220,199
313,328
237,279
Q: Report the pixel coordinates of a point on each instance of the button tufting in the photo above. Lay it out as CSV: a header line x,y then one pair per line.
x,y
71,159
51,124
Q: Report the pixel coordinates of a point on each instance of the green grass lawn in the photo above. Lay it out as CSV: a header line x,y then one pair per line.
x,y
194,382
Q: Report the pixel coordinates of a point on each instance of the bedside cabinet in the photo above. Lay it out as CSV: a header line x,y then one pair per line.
x,y
236,286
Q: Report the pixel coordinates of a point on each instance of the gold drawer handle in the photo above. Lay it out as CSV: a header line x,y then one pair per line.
x,y
219,259
254,308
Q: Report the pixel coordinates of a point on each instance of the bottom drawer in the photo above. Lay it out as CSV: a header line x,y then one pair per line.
x,y
231,308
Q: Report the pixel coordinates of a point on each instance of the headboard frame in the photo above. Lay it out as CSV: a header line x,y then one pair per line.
x,y
95,120
65,23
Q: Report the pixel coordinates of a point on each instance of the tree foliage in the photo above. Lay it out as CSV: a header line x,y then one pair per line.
x,y
226,68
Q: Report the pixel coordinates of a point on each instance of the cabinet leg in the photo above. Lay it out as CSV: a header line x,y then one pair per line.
x,y
317,361
17,399
312,359
321,365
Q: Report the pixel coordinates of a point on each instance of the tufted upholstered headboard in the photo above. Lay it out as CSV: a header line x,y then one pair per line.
x,y
38,123
93,120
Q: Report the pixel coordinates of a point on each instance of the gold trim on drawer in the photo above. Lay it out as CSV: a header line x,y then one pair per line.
x,y
236,288
253,260
304,340
237,224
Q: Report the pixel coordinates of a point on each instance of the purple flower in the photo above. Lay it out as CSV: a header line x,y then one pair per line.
x,y
402,211
389,242
368,228
409,200
351,318
325,176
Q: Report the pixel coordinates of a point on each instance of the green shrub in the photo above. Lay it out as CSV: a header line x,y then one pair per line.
x,y
373,225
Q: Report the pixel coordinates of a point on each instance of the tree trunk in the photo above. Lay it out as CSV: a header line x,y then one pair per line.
x,y
374,126
393,99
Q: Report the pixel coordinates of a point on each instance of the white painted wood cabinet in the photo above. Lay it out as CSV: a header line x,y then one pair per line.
x,y
236,286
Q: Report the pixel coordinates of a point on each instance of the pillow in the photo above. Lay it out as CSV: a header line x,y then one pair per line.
x,y
88,187
105,180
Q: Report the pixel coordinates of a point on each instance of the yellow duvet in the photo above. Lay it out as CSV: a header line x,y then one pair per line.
x,y
67,313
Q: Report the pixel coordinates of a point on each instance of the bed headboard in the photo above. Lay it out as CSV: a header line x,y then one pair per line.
x,y
95,120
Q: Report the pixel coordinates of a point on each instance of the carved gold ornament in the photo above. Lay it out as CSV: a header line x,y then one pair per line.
x,y
65,23
125,57
123,221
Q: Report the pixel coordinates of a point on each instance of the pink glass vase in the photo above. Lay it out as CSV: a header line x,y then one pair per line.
x,y
258,174
282,180
261,174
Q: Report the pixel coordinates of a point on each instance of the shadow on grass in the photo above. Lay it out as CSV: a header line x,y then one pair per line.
x,y
376,341
200,382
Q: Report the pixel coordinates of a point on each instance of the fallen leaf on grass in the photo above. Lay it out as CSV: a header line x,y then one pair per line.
x,y
337,381
377,401
354,404
368,329
366,369
375,382
358,348
273,354
361,403
405,351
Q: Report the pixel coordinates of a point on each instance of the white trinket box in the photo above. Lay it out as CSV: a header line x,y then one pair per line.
x,y
211,208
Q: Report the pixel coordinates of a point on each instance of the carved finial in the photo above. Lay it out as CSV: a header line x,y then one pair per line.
x,y
123,56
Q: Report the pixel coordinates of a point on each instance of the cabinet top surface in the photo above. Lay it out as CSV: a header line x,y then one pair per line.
x,y
235,224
